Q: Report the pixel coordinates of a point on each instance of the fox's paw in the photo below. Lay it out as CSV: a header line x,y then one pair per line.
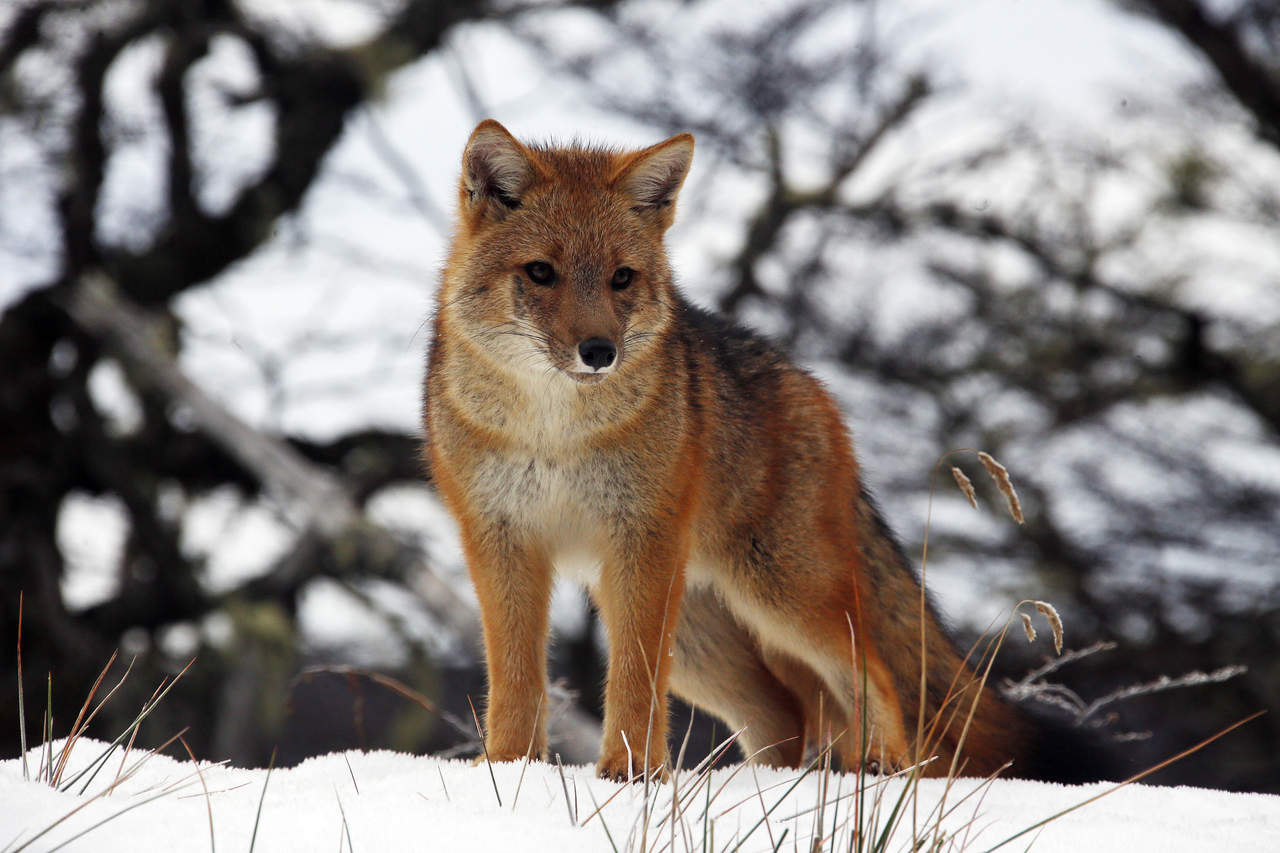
x,y
621,767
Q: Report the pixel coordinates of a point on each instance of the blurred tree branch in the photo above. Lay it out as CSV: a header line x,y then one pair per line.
x,y
1250,74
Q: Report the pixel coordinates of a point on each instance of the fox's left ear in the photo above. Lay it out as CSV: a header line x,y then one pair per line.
x,y
652,177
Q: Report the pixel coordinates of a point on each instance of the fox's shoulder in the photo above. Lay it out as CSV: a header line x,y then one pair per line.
x,y
738,351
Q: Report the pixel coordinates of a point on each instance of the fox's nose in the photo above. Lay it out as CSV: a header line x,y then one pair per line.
x,y
597,353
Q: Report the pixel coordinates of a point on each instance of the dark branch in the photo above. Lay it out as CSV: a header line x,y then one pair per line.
x,y
1253,83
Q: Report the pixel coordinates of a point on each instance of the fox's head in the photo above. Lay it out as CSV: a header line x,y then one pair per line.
x,y
558,262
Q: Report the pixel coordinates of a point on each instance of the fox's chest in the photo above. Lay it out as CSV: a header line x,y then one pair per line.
x,y
573,508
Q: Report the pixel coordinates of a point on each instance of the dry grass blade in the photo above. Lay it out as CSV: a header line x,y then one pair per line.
x,y
253,839
733,774
966,486
603,822
226,790
702,776
1001,476
734,806
352,773
77,726
22,710
485,747
621,788
528,752
439,773
813,765
568,804
208,803
674,817
768,827
977,684
346,827
151,753
98,763
46,754
80,727
128,747
181,781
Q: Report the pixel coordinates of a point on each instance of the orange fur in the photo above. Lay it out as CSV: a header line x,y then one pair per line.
x,y
702,486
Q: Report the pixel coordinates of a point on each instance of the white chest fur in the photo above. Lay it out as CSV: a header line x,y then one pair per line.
x,y
568,506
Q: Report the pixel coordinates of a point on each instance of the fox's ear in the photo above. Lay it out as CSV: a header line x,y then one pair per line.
x,y
496,168
652,177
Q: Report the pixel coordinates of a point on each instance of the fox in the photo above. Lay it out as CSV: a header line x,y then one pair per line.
x,y
584,419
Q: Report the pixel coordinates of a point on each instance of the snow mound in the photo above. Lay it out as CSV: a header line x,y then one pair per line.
x,y
385,801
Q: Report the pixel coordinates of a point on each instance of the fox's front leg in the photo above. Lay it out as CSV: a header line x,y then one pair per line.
x,y
513,584
639,600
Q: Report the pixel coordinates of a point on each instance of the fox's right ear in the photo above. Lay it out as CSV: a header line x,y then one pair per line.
x,y
496,169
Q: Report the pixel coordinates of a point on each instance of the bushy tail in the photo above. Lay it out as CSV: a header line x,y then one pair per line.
x,y
966,723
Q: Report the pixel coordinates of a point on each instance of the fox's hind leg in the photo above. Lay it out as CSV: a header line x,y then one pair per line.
x,y
824,719
843,687
719,666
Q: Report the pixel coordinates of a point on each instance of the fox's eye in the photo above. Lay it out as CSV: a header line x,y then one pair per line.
x,y
540,272
622,277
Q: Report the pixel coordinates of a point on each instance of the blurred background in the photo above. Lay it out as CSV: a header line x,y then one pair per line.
x,y
1050,230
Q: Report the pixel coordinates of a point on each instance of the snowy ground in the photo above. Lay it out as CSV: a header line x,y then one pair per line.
x,y
384,801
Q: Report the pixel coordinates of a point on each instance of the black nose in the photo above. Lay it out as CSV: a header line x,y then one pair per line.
x,y
597,352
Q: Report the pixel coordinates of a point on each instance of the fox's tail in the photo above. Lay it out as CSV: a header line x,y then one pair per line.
x,y
964,720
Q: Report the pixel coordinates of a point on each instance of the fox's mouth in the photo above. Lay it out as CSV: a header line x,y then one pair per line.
x,y
585,378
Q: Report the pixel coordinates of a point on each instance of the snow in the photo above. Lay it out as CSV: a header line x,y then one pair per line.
x,y
392,801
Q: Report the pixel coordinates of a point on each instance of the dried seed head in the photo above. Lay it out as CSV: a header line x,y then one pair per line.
x,y
965,486
1001,475
1055,623
1027,627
